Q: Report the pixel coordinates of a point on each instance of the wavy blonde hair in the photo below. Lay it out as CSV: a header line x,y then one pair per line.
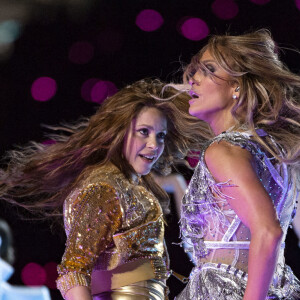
x,y
269,96
39,177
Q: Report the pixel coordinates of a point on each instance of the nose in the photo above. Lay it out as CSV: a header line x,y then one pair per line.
x,y
152,143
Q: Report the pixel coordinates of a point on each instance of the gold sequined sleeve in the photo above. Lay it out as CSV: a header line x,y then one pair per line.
x,y
96,217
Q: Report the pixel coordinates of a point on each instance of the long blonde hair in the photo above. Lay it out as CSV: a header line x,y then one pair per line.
x,y
39,177
269,96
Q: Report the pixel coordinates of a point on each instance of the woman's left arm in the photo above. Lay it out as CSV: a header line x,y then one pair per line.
x,y
254,207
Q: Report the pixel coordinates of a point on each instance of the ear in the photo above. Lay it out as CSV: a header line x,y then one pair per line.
x,y
236,91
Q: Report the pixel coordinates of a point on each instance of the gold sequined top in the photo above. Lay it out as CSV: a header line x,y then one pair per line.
x,y
115,233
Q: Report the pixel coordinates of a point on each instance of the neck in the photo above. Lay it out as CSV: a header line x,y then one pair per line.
x,y
220,125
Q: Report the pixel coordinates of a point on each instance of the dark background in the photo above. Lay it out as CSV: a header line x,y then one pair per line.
x,y
49,28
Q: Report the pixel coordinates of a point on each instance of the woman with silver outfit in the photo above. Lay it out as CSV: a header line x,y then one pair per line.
x,y
242,196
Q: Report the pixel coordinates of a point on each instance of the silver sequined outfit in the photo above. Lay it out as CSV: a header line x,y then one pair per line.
x,y
217,238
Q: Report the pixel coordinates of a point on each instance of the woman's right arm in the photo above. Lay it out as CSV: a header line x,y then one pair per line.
x,y
96,217
78,293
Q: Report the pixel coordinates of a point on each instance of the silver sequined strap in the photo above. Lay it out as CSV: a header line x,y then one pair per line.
x,y
231,245
227,269
227,245
231,229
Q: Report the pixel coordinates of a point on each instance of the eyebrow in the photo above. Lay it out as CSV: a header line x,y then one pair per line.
x,y
149,126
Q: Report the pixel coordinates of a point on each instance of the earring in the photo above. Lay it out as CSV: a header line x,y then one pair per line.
x,y
237,89
234,97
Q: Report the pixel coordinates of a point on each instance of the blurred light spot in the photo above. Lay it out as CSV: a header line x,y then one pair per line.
x,y
225,9
194,29
87,87
193,158
260,2
96,90
109,41
51,271
101,90
9,31
297,2
81,52
149,20
48,142
43,88
33,274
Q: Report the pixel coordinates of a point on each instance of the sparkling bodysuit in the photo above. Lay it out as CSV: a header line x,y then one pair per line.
x,y
217,238
115,234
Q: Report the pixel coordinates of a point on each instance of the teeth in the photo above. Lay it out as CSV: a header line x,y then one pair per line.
x,y
148,157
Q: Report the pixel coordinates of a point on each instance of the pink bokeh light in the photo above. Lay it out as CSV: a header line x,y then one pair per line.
x,y
297,2
101,90
81,52
33,275
48,142
96,90
87,87
51,271
43,88
225,9
194,29
149,20
193,158
260,2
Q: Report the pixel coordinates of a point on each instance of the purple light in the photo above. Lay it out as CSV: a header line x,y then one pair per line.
x,y
261,2
194,29
96,90
87,87
297,2
51,271
48,142
193,161
109,41
43,88
81,52
33,274
101,90
225,9
149,20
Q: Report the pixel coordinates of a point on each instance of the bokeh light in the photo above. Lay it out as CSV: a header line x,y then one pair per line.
x,y
48,142
193,158
194,29
81,52
110,40
9,31
43,88
87,87
97,90
101,90
297,2
51,271
33,274
260,2
225,9
149,20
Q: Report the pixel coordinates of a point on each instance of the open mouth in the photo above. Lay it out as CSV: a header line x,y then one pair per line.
x,y
148,158
193,94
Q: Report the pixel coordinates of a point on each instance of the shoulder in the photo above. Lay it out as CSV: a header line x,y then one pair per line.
x,y
225,159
